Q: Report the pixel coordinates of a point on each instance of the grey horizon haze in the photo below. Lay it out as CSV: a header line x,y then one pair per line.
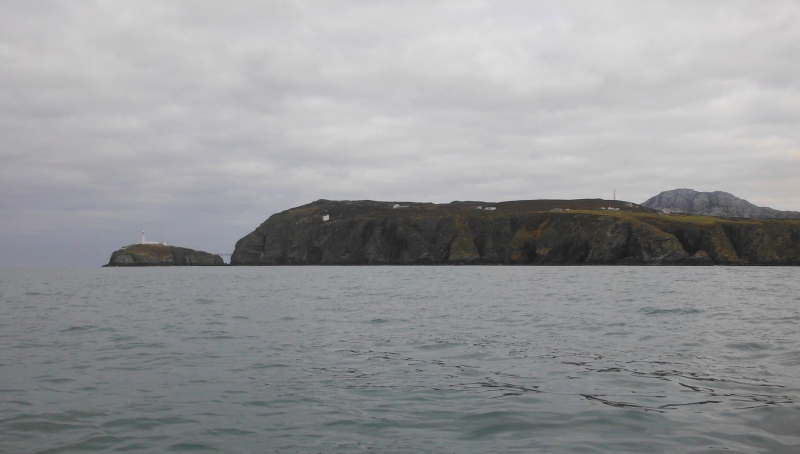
x,y
197,120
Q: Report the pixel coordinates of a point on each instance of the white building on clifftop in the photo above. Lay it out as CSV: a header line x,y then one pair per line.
x,y
151,242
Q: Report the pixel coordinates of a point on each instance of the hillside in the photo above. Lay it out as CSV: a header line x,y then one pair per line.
x,y
715,203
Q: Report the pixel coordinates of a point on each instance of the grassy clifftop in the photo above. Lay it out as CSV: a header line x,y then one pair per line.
x,y
519,232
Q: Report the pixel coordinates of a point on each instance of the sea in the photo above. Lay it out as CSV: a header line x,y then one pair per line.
x,y
385,359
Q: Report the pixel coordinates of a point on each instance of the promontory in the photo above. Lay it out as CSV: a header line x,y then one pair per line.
x,y
533,232
162,255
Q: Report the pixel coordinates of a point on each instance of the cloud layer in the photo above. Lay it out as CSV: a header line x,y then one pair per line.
x,y
196,120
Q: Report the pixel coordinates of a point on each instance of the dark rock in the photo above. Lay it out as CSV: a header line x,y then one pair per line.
x,y
161,255
699,258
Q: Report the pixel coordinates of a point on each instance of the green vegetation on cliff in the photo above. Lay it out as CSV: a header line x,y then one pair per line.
x,y
536,232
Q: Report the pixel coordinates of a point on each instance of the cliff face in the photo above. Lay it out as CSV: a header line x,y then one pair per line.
x,y
160,255
514,233
715,203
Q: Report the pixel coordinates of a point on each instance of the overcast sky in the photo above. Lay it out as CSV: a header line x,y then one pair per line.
x,y
197,120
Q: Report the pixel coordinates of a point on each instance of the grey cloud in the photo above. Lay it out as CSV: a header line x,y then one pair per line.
x,y
197,120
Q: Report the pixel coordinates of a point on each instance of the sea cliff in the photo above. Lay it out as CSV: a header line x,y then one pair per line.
x,y
162,255
537,232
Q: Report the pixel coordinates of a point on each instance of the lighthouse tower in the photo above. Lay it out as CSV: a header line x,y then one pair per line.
x,y
151,242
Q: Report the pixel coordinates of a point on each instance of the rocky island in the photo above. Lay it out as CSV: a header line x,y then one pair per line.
x,y
162,255
534,232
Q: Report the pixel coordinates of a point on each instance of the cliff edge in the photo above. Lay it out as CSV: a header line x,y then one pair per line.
x,y
537,232
161,255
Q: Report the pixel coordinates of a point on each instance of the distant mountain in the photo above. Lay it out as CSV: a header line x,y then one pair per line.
x,y
715,203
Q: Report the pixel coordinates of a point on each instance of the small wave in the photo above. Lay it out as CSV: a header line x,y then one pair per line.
x,y
497,423
19,402
749,346
789,359
180,447
42,426
377,321
256,403
77,328
611,403
438,346
132,345
57,380
226,432
211,335
678,311
267,366
144,423
98,443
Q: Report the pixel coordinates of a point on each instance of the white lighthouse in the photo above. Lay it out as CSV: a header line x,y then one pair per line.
x,y
151,242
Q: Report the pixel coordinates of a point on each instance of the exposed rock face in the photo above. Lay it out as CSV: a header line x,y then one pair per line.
x,y
367,232
160,255
715,203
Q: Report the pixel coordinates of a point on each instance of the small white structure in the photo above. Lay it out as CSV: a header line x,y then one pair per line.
x,y
397,205
326,217
478,207
151,242
666,211
490,208
628,205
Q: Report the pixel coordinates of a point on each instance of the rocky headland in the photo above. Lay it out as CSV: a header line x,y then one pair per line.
x,y
715,203
162,255
537,232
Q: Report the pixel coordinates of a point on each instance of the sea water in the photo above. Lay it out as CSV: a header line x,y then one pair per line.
x,y
400,359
